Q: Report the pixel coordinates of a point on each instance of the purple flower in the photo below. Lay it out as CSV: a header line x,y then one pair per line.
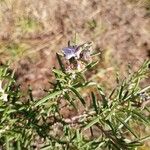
x,y
70,52
81,52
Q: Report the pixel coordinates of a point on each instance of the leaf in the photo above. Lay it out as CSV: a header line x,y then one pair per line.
x,y
18,145
112,93
50,96
125,95
127,126
95,54
70,100
30,93
104,98
59,72
126,120
11,111
90,65
140,115
134,144
94,121
2,109
74,39
111,126
78,135
145,89
94,102
120,92
60,80
60,63
78,95
7,143
144,138
48,147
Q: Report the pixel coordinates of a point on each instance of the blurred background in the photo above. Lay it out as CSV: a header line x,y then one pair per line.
x,y
32,31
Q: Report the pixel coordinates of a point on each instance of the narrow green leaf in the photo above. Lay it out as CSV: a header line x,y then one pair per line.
x,y
127,126
145,89
59,72
7,143
48,147
134,144
18,145
140,115
50,96
144,138
70,100
94,121
104,98
112,93
94,102
30,94
60,80
117,78
90,65
125,95
126,120
2,109
78,135
120,92
11,111
60,62
78,95
95,54
111,126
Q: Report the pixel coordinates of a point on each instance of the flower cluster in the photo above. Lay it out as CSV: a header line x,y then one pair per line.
x,y
78,55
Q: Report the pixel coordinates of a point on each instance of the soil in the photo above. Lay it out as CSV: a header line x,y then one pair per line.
x,y
119,29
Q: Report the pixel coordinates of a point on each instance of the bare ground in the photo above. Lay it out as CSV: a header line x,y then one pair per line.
x,y
32,31
118,28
